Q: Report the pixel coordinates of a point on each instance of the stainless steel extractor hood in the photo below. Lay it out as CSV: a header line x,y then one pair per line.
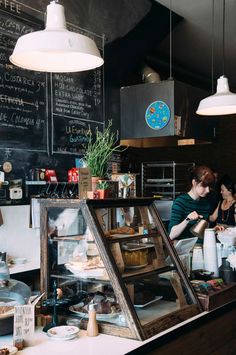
x,y
163,114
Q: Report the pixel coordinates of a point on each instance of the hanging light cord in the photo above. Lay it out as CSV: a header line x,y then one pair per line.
x,y
170,76
212,46
223,39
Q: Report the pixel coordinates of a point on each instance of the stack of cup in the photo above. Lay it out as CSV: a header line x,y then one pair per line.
x,y
197,260
210,251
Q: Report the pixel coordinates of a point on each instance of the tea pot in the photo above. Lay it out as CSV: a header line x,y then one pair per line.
x,y
198,228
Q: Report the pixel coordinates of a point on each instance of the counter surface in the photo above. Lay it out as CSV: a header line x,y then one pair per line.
x,y
100,345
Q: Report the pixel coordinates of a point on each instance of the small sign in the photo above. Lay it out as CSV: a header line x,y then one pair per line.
x,y
85,182
24,323
157,115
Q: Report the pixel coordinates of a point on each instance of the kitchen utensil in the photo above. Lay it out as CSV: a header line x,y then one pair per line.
x,y
198,228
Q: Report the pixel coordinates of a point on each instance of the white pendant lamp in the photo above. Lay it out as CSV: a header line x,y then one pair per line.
x,y
55,49
223,102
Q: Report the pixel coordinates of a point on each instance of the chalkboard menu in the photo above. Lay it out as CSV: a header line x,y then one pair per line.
x,y
77,105
42,112
23,93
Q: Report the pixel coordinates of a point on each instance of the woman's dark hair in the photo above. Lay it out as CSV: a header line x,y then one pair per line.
x,y
228,183
202,174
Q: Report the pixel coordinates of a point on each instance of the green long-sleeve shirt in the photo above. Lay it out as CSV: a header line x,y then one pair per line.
x,y
182,206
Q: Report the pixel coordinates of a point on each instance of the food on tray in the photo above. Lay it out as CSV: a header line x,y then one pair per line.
x,y
120,230
91,263
5,309
135,258
4,351
143,296
106,304
135,254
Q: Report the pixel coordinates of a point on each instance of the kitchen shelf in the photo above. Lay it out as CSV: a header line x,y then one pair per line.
x,y
43,182
167,179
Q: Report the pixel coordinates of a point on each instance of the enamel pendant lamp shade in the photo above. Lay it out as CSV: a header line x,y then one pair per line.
x,y
55,49
223,102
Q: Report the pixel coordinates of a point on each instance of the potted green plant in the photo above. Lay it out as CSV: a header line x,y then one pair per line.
x,y
102,188
99,150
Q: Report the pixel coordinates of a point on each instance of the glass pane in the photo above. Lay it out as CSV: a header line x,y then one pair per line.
x,y
142,256
65,222
75,264
155,296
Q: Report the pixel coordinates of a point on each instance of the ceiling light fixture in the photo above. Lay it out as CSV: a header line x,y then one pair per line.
x,y
223,102
56,49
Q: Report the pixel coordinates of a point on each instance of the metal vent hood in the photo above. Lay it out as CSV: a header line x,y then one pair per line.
x,y
181,126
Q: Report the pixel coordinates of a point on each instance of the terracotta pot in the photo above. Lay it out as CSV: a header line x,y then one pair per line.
x,y
95,180
102,193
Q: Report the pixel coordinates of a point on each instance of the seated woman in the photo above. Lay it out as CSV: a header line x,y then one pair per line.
x,y
189,207
225,212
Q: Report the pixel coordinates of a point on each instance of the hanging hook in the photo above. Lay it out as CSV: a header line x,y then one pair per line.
x,y
170,77
223,40
212,46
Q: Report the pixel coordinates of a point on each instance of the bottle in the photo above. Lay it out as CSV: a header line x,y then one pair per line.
x,y
4,271
92,328
226,272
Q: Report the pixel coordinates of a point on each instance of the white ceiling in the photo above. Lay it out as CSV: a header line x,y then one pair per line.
x,y
192,38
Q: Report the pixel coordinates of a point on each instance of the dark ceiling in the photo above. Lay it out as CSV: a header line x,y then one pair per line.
x,y
137,32
193,38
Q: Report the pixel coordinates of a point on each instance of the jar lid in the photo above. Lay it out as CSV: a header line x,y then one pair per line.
x,y
92,306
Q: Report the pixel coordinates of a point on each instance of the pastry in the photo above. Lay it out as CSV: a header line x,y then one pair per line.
x,y
105,303
120,230
4,351
5,309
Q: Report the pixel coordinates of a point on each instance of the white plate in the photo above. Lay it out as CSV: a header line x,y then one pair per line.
x,y
12,349
99,316
96,272
63,332
157,298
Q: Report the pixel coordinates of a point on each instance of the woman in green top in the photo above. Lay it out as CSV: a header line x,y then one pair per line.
x,y
189,207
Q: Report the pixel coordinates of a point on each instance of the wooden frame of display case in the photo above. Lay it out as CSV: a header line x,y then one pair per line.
x,y
119,281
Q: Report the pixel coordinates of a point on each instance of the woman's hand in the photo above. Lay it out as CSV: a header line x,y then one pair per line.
x,y
219,228
193,216
179,228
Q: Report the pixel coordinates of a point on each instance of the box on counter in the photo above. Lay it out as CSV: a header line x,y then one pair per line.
x,y
218,298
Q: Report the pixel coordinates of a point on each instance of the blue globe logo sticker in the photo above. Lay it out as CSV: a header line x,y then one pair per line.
x,y
157,115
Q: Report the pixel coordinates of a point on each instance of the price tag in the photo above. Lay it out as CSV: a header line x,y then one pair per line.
x,y
24,325
85,184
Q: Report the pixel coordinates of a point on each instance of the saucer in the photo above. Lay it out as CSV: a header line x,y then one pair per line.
x,y
63,332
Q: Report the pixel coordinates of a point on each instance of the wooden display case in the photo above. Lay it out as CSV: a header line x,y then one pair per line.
x,y
113,252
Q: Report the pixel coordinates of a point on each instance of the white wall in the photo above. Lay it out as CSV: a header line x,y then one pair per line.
x,y
17,239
